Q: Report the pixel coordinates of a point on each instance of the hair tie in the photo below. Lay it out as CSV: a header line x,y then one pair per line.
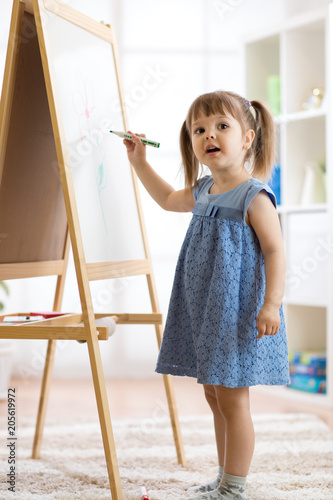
x,y
249,103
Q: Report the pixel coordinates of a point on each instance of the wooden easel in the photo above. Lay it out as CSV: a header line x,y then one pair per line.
x,y
42,145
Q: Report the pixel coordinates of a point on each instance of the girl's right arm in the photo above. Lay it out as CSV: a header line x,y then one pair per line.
x,y
158,188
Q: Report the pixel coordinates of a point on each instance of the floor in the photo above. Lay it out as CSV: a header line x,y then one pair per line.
x,y
142,398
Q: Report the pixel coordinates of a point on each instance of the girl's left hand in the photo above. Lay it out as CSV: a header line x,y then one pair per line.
x,y
268,320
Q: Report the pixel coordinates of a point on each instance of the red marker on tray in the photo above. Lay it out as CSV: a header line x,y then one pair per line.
x,y
144,493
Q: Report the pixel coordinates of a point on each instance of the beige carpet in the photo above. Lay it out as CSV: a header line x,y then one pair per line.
x,y
293,459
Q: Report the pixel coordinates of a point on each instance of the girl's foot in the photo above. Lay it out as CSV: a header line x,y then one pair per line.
x,y
231,488
213,485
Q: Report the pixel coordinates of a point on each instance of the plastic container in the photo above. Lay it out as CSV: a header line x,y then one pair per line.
x,y
308,384
308,371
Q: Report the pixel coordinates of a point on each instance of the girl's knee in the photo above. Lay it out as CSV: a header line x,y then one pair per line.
x,y
210,396
232,400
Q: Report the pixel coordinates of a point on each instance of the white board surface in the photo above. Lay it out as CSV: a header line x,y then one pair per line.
x,y
87,87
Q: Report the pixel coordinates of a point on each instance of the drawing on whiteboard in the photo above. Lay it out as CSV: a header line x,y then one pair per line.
x,y
83,102
101,179
84,107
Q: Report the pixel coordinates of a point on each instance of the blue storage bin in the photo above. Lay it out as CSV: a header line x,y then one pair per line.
x,y
308,384
308,371
275,183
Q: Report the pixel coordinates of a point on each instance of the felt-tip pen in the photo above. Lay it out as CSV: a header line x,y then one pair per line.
x,y
144,493
125,135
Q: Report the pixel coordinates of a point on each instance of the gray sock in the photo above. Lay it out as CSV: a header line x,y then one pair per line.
x,y
213,485
231,488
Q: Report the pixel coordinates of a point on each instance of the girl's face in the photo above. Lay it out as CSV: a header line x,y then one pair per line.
x,y
219,142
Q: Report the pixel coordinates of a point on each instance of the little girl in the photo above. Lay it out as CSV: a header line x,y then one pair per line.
x,y
225,324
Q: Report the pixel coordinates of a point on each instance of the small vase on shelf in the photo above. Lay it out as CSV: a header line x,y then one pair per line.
x,y
314,189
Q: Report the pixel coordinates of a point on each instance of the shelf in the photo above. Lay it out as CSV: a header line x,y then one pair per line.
x,y
306,114
295,301
304,64
301,115
306,327
302,20
299,55
302,209
262,62
305,20
304,144
294,394
308,253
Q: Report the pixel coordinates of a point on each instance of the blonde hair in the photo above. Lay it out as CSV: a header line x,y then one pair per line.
x,y
260,155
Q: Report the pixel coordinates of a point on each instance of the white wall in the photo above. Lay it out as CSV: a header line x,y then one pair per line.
x,y
187,47
294,7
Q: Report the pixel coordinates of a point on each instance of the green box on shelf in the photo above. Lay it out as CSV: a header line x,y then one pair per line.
x,y
273,94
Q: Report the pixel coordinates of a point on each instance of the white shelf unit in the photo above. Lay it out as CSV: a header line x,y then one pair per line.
x,y
300,52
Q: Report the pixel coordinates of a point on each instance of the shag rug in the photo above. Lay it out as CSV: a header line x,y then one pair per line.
x,y
293,459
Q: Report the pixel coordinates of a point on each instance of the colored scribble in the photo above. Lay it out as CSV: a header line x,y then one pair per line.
x,y
84,107
101,180
83,102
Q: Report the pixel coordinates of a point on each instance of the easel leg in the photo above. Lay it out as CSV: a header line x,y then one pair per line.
x,y
44,396
174,419
105,420
170,394
47,375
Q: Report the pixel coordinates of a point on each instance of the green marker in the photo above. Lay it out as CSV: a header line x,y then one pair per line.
x,y
124,135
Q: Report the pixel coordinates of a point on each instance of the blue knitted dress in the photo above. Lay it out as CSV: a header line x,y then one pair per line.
x,y
218,290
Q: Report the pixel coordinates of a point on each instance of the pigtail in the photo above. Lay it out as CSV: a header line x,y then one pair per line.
x,y
189,160
263,147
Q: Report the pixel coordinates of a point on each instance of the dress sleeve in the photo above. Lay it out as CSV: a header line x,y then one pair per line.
x,y
253,191
201,186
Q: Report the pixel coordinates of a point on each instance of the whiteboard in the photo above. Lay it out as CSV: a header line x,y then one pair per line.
x,y
88,94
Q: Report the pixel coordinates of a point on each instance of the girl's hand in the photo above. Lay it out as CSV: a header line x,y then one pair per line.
x,y
136,150
268,320
158,188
